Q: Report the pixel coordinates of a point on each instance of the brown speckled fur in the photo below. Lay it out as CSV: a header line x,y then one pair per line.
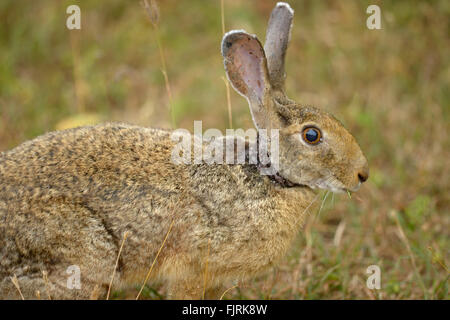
x,y
67,198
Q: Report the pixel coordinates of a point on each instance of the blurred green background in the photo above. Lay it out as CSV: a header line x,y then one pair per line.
x,y
390,87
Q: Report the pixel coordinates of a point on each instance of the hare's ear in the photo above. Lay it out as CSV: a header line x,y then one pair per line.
x,y
277,40
246,68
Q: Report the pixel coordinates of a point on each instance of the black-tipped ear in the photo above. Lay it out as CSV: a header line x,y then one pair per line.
x,y
246,65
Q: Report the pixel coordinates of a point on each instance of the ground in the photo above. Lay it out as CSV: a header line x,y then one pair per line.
x,y
390,87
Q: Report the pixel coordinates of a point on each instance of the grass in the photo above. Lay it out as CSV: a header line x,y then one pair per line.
x,y
390,87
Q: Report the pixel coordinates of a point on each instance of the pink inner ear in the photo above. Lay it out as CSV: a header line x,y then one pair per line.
x,y
248,56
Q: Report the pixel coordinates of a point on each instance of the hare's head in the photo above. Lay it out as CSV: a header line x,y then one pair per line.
x,y
314,148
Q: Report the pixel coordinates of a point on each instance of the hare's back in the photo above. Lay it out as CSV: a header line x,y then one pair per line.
x,y
109,162
115,175
82,151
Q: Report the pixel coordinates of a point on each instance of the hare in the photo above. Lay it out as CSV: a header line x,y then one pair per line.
x,y
67,198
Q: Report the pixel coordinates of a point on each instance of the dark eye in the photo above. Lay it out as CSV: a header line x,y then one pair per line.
x,y
312,135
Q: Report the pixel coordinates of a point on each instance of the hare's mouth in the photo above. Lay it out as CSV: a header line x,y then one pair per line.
x,y
330,188
332,184
354,189
336,189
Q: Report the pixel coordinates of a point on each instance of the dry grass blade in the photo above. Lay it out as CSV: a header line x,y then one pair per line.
x,y
438,259
230,115
95,293
222,16
411,254
152,11
275,278
47,287
227,85
154,17
309,205
167,85
154,261
323,203
125,235
339,232
369,292
81,89
205,278
226,291
15,281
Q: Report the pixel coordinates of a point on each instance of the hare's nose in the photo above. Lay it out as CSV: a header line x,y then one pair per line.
x,y
363,175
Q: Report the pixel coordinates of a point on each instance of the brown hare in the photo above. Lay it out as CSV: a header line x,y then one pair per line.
x,y
67,198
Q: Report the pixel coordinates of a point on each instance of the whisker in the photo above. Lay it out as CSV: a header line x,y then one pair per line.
x,y
323,202
306,209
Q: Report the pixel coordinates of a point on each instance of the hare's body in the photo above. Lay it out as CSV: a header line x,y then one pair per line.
x,y
67,198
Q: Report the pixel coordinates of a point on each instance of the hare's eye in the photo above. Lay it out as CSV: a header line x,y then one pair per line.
x,y
312,135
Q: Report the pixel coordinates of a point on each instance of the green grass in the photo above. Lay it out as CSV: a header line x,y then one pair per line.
x,y
390,87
